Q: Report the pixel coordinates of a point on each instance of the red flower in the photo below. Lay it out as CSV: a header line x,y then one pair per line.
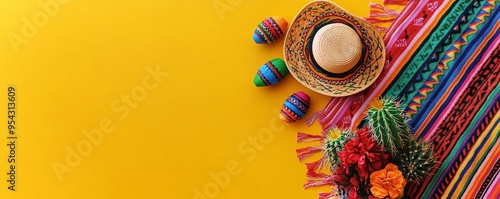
x,y
341,178
364,153
361,156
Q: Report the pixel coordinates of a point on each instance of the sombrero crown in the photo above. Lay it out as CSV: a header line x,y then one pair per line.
x,y
333,52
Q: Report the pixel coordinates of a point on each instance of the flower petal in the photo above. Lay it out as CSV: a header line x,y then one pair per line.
x,y
379,192
391,167
394,193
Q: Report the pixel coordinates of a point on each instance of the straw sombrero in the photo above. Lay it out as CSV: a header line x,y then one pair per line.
x,y
333,52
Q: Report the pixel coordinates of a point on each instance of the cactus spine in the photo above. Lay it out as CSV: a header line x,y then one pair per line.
x,y
389,126
417,161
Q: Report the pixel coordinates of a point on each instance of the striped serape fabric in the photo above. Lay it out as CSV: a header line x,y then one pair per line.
x,y
443,64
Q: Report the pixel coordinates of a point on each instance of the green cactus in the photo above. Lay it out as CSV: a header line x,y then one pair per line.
x,y
334,142
389,126
417,161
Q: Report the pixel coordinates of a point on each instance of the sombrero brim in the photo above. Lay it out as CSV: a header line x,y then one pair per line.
x,y
301,63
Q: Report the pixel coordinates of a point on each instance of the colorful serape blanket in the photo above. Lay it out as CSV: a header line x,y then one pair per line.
x,y
443,64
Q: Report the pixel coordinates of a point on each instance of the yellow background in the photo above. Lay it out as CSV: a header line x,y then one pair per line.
x,y
80,64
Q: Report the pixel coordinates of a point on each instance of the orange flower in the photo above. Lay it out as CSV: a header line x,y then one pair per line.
x,y
387,182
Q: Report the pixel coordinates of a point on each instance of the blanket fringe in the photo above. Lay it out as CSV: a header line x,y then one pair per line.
x,y
396,2
303,153
303,137
320,180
